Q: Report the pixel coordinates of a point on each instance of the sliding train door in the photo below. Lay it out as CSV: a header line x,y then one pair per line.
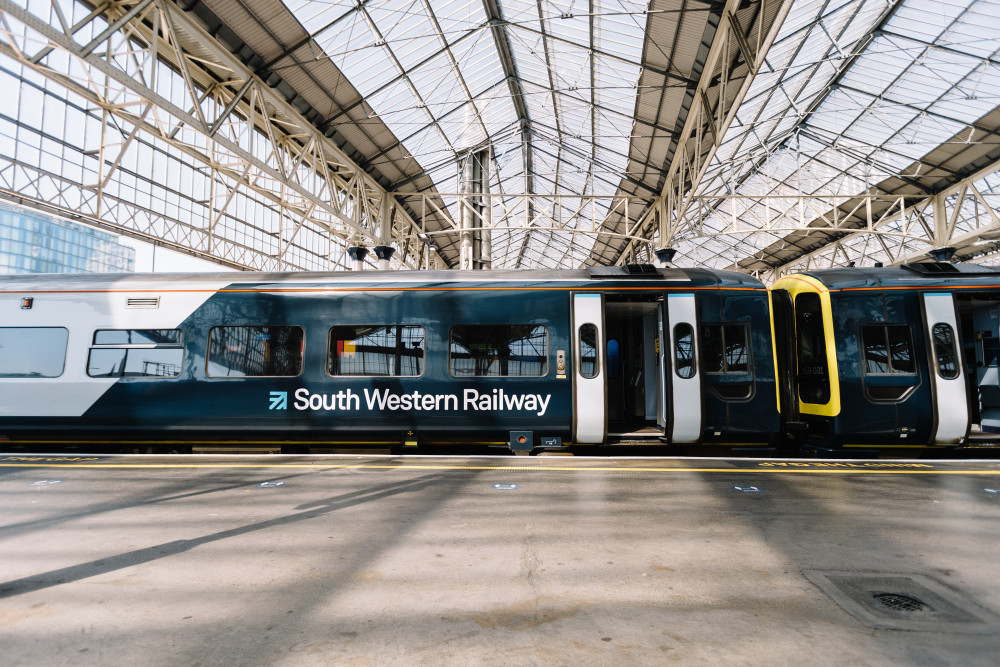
x,y
589,391
951,403
636,377
685,376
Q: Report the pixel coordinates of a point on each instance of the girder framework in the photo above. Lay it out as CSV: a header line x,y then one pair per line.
x,y
563,227
178,144
735,40
859,102
898,229
823,231
274,135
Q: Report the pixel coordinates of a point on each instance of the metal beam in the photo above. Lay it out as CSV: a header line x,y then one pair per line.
x,y
295,143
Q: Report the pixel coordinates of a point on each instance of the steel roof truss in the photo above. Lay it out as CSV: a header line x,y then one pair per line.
x,y
278,166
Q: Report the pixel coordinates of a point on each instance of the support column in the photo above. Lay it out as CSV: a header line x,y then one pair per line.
x,y
473,181
383,251
941,251
357,255
940,220
384,254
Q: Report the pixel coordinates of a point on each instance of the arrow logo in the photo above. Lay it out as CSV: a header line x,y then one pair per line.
x,y
279,400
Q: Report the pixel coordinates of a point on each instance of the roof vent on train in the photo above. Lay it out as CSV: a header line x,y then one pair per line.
x,y
626,271
933,268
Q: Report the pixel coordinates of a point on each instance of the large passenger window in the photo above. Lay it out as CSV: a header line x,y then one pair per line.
x,y
498,350
129,353
813,374
255,351
887,349
32,352
376,350
724,349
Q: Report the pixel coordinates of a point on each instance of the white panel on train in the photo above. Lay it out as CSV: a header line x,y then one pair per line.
x,y
82,308
589,401
686,377
950,398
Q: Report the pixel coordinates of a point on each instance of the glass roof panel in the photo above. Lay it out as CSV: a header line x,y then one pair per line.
x,y
433,72
927,19
838,105
900,99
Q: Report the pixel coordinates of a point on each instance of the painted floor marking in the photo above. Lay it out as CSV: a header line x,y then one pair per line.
x,y
766,467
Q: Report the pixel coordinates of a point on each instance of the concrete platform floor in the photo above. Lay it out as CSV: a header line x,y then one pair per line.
x,y
354,560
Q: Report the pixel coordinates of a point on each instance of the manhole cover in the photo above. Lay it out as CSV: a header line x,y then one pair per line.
x,y
902,603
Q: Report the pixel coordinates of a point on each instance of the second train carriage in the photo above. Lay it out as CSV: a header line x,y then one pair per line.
x,y
527,360
891,358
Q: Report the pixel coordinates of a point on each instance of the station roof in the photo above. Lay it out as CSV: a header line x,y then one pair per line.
x,y
572,97
860,97
854,97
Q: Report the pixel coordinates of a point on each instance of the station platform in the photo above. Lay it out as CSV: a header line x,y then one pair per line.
x,y
379,560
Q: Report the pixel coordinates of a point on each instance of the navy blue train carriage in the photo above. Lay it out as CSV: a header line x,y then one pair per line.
x,y
524,360
890,359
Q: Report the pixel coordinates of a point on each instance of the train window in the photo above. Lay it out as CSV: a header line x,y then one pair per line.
x,y
133,353
499,350
887,349
588,351
813,374
261,351
32,352
376,350
725,349
684,364
944,350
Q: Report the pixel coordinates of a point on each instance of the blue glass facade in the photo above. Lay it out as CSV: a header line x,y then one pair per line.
x,y
32,242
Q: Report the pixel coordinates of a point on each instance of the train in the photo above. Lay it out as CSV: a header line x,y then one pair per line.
x,y
884,359
854,361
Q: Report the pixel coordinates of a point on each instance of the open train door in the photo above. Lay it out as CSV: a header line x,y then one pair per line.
x,y
684,378
951,403
589,391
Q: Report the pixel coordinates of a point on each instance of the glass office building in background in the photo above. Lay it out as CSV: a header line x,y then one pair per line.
x,y
33,242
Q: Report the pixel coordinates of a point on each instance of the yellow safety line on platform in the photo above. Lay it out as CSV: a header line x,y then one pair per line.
x,y
824,470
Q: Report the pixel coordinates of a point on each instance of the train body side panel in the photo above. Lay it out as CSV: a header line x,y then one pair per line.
x,y
885,395
316,405
193,401
739,402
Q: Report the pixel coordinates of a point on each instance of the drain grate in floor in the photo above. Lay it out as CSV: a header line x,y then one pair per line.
x,y
903,602
897,602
